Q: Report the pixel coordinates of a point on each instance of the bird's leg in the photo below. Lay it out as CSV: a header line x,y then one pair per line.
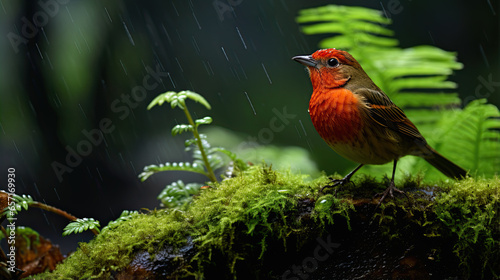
x,y
391,188
345,180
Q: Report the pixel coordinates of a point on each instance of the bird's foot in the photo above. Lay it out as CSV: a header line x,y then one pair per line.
x,y
389,191
337,182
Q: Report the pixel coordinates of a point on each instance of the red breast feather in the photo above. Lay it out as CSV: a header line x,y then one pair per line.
x,y
335,115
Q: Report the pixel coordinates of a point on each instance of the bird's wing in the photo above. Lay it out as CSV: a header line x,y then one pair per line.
x,y
385,113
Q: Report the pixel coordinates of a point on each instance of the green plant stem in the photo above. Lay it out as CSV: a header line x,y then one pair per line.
x,y
58,212
210,172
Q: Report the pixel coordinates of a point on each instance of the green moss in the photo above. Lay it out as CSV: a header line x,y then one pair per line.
x,y
470,209
464,213
240,223
114,247
261,203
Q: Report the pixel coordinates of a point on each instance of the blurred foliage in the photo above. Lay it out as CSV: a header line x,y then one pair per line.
x,y
416,80
473,134
248,149
177,194
23,232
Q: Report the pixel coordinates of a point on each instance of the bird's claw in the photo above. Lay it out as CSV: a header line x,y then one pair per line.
x,y
389,191
337,182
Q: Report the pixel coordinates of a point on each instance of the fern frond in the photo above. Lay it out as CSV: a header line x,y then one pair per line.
x,y
81,225
205,120
180,128
162,98
181,166
239,163
475,137
214,159
196,97
124,216
178,193
20,202
177,99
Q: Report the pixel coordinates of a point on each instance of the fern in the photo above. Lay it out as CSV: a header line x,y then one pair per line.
x,y
178,194
206,159
177,99
475,135
20,202
176,166
416,79
81,225
125,215
213,158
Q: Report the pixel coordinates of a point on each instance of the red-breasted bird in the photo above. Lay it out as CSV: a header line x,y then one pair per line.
x,y
359,121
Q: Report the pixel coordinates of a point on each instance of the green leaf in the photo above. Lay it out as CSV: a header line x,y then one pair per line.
x,y
162,98
239,163
177,194
124,216
205,120
336,12
177,99
20,203
475,136
182,166
190,142
180,128
429,99
81,225
196,97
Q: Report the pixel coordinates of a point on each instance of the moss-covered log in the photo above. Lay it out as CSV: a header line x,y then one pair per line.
x,y
266,224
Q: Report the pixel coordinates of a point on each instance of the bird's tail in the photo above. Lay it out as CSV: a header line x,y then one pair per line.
x,y
444,165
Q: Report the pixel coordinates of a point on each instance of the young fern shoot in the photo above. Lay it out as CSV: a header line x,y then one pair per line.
x,y
178,99
194,125
207,159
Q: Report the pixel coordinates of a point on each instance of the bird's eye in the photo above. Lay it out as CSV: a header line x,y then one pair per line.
x,y
333,62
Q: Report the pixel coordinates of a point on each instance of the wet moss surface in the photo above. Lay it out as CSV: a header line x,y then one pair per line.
x,y
267,224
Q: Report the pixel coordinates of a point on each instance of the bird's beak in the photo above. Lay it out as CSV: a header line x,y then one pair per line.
x,y
306,60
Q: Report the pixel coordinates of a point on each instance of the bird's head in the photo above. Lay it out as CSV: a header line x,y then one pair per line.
x,y
331,68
